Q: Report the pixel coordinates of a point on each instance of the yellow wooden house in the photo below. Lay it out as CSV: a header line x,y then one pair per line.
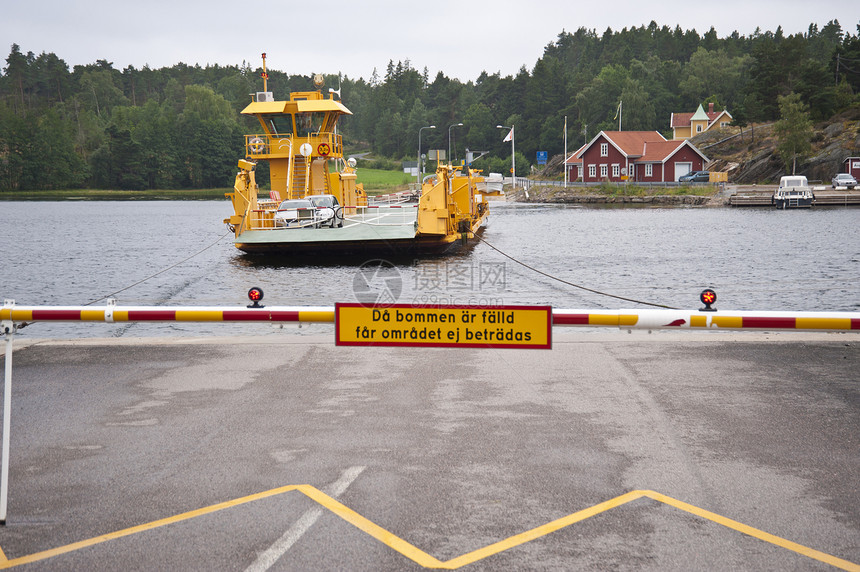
x,y
687,125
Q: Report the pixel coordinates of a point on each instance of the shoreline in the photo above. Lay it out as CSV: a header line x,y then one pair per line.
x,y
582,196
721,197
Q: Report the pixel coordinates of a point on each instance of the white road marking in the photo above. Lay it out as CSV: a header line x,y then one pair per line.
x,y
268,557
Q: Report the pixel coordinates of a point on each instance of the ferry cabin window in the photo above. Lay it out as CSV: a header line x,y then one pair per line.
x,y
309,123
280,125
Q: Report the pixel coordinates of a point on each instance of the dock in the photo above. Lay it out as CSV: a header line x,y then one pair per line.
x,y
824,196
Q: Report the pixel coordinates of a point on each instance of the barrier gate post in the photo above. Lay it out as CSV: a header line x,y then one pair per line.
x,y
7,410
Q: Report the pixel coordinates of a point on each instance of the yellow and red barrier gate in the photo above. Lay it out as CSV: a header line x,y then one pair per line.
x,y
649,319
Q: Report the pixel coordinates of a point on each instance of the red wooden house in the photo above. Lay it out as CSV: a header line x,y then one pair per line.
x,y
851,165
642,156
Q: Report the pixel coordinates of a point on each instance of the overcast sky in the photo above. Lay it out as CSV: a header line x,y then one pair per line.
x,y
460,38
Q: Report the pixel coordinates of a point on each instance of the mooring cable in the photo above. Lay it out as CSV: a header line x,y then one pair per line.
x,y
550,276
160,271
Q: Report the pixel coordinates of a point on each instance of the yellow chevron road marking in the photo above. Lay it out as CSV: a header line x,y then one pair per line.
x,y
754,532
419,556
140,528
534,533
389,539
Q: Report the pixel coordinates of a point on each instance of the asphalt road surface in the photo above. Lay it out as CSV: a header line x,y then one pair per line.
x,y
612,451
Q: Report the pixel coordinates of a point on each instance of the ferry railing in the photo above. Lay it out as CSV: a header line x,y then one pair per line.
x,y
263,145
399,198
12,317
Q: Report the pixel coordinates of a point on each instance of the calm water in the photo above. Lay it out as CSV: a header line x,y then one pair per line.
x,y
178,253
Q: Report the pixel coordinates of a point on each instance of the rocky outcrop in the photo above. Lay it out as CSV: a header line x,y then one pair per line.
x,y
754,158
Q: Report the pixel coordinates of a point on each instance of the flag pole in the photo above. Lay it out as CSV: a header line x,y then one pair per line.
x,y
514,155
512,137
564,163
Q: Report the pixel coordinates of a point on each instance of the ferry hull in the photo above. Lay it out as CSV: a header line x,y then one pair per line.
x,y
410,246
308,242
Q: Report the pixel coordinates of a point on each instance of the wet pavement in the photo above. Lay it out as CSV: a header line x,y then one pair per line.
x,y
665,451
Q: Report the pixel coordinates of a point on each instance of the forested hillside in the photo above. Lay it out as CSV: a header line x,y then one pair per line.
x,y
179,127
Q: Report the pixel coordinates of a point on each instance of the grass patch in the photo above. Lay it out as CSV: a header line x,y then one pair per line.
x,y
614,190
611,190
378,181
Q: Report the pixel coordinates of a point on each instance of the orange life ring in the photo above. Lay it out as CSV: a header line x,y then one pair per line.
x,y
256,144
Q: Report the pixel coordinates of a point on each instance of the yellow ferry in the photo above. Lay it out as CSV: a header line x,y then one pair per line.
x,y
315,203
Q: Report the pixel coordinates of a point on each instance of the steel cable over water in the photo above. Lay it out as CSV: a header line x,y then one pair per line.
x,y
199,252
162,271
550,276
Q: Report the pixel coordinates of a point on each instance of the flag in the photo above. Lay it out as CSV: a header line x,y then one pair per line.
x,y
617,111
510,136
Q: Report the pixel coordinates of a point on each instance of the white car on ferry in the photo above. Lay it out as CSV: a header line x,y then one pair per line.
x,y
329,210
297,213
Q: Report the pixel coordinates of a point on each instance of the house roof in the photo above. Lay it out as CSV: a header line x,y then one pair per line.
x,y
700,114
575,157
657,152
632,143
718,115
662,152
684,119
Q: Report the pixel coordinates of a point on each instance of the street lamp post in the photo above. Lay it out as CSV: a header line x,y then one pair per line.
x,y
513,153
449,139
420,169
